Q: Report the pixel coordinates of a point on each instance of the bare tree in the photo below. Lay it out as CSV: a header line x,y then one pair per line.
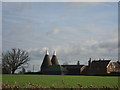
x,y
13,60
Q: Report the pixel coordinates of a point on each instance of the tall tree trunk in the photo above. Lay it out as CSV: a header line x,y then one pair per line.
x,y
13,71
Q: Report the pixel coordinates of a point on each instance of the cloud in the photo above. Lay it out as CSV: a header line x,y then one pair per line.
x,y
36,53
80,51
38,50
88,47
83,31
62,30
54,31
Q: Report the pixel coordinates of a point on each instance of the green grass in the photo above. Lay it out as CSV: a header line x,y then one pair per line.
x,y
61,81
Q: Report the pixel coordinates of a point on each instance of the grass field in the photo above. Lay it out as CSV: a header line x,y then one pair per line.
x,y
61,81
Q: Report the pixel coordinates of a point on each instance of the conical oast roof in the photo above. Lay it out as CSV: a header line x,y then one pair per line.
x,y
46,62
54,59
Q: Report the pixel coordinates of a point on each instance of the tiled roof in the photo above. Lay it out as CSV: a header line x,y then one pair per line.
x,y
100,63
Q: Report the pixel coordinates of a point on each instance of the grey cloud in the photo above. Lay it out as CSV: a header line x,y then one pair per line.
x,y
72,53
109,45
61,30
37,53
53,32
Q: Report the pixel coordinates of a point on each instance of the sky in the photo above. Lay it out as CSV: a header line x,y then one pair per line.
x,y
59,0
77,31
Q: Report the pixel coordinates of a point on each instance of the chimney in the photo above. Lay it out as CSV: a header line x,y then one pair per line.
x,y
89,62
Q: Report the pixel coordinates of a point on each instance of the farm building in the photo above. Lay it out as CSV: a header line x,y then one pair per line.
x,y
100,67
94,67
73,69
52,66
113,67
55,70
84,70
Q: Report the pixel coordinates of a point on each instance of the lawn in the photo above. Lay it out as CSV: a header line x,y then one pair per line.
x,y
61,81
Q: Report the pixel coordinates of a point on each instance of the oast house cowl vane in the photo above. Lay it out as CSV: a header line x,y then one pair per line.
x,y
54,59
46,61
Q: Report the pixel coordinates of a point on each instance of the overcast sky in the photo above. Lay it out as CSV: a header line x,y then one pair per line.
x,y
59,0
76,31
